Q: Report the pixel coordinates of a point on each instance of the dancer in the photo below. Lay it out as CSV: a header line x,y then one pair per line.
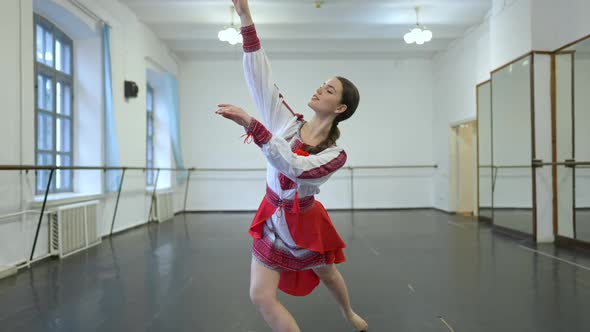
x,y
295,244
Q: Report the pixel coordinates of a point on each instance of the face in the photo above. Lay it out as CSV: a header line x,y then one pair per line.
x,y
326,99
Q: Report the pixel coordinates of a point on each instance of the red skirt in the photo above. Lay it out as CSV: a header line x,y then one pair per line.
x,y
311,229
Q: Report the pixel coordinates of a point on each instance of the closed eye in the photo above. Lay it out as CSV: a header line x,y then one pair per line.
x,y
330,88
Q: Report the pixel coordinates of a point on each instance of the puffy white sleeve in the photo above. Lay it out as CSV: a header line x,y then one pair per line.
x,y
261,85
313,169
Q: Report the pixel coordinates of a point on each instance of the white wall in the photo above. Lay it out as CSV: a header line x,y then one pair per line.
x,y
15,22
392,126
519,26
510,30
131,43
11,66
457,71
556,23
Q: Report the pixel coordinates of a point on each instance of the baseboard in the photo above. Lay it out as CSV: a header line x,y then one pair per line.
x,y
566,242
444,211
513,233
124,230
487,220
7,271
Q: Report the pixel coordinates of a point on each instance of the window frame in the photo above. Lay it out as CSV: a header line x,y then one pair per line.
x,y
56,76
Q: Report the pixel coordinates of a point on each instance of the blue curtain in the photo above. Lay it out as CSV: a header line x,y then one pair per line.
x,y
172,87
111,148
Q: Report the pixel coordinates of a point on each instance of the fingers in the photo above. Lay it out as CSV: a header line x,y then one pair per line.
x,y
228,108
223,108
226,112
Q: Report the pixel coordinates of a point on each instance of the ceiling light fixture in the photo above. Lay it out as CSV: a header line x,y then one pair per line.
x,y
230,34
419,34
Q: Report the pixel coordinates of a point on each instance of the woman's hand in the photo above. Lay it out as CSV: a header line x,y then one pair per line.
x,y
243,11
234,113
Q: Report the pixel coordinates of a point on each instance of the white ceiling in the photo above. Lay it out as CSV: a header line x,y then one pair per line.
x,y
295,28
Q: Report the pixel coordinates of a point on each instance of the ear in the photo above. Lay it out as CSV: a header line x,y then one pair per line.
x,y
341,109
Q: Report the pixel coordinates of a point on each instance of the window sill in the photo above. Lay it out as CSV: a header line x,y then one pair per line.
x,y
64,198
150,190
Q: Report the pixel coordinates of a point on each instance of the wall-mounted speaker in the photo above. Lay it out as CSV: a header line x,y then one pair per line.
x,y
131,89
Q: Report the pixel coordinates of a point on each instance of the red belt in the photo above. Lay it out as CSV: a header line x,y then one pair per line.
x,y
292,205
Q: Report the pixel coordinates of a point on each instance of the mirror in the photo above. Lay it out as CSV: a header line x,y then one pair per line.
x,y
564,142
484,138
511,147
581,66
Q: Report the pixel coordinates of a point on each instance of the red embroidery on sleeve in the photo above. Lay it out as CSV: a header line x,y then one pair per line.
x,y
260,134
325,169
251,41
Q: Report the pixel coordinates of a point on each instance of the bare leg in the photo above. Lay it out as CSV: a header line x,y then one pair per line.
x,y
332,278
263,293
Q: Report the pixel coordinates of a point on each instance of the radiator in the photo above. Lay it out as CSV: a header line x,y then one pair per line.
x,y
164,206
74,228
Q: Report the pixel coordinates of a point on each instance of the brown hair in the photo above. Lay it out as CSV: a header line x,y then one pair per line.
x,y
350,98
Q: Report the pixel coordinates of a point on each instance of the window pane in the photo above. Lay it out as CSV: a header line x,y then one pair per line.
x,y
58,55
49,48
43,159
39,43
58,173
63,177
44,93
63,135
44,131
40,92
64,98
63,56
58,98
49,94
67,100
150,127
67,174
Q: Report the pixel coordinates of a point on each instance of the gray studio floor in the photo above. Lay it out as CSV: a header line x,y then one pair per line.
x,y
415,270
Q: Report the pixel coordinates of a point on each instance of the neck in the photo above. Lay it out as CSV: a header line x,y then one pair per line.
x,y
319,128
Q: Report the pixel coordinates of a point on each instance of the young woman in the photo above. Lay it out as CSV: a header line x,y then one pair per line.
x,y
295,244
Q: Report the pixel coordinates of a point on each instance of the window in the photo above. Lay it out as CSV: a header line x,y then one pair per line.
x,y
54,86
150,135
